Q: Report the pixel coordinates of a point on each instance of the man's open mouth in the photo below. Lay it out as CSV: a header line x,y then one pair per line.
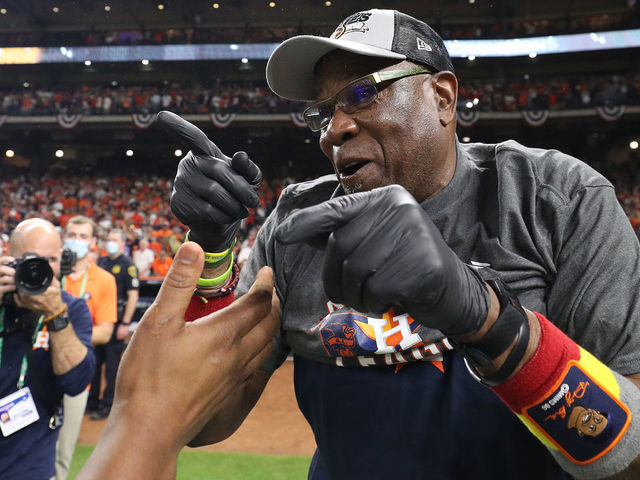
x,y
352,168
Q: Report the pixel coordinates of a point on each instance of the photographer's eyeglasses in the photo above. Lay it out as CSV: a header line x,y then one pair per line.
x,y
358,94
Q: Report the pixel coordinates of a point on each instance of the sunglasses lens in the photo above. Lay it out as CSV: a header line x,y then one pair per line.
x,y
357,95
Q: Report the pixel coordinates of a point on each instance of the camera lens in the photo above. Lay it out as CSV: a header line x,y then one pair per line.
x,y
33,276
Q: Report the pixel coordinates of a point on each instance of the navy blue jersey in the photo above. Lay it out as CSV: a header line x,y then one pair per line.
x,y
418,422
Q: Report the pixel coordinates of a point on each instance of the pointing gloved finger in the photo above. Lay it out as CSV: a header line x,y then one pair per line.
x,y
190,135
315,223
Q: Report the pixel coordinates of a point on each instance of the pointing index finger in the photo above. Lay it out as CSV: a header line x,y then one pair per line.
x,y
314,224
190,135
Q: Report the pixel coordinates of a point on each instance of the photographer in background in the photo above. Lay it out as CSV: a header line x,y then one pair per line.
x,y
126,274
45,351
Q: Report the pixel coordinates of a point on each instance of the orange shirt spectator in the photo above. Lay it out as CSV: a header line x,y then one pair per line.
x,y
161,264
155,245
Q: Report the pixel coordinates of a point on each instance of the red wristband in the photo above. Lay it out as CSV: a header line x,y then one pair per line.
x,y
201,306
543,370
568,398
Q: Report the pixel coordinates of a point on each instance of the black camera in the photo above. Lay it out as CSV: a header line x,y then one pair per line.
x,y
33,274
67,262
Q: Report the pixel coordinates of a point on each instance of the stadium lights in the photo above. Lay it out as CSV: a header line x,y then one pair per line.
x,y
160,6
216,5
3,11
55,9
327,3
59,153
26,84
87,62
471,58
9,153
633,145
178,152
145,62
272,4
129,153
107,8
245,60
472,2
533,54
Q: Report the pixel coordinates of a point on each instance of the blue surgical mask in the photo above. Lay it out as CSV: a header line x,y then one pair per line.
x,y
111,248
80,247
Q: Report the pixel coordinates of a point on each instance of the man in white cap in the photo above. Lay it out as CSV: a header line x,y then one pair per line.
x,y
411,354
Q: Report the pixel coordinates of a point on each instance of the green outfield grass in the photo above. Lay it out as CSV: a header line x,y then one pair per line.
x,y
198,465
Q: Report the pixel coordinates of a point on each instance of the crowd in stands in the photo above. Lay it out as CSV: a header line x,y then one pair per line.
x,y
139,206
114,100
551,94
218,34
489,95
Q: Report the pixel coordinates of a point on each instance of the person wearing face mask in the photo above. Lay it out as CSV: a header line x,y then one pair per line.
x,y
98,288
126,274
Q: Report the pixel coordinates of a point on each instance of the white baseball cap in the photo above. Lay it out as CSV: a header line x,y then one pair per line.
x,y
375,33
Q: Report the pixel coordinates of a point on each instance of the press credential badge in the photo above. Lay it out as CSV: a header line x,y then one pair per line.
x,y
17,411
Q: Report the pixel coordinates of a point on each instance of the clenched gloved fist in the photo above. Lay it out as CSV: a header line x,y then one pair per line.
x,y
211,192
384,251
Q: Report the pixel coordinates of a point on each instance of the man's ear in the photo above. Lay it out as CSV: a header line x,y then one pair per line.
x,y
446,88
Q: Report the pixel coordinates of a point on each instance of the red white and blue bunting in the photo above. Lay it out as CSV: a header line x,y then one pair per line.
x,y
143,120
467,118
68,121
610,113
222,120
535,118
298,119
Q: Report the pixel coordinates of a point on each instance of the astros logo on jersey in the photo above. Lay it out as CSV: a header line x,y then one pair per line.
x,y
347,333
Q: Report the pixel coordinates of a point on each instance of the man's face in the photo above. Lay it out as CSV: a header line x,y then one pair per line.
x,y
43,243
117,239
82,232
399,139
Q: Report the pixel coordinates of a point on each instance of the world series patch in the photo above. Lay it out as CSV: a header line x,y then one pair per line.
x,y
581,417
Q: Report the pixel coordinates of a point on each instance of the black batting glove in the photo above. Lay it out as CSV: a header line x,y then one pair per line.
x,y
212,193
383,251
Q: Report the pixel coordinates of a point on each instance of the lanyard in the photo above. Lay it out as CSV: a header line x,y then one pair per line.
x,y
24,365
82,287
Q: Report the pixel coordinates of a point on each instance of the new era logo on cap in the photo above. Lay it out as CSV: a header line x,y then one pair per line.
x,y
422,45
